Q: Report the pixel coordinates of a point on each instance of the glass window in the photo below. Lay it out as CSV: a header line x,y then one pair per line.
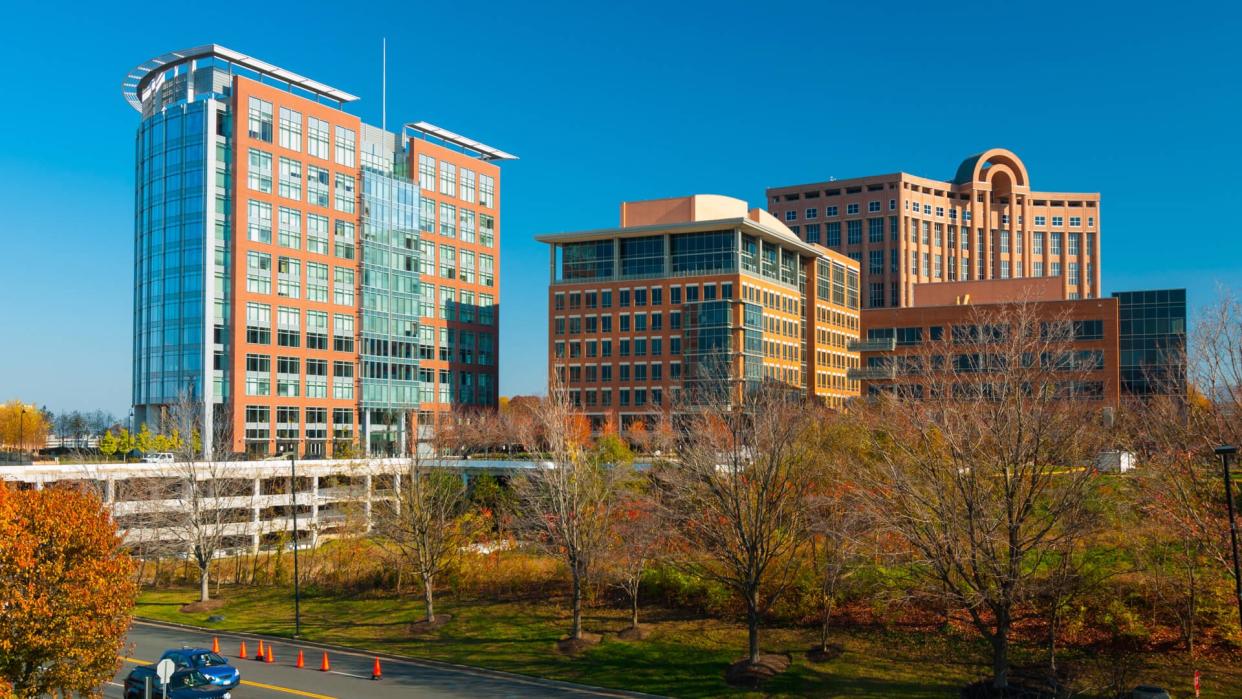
x,y
448,262
291,179
317,138
467,226
259,174
259,221
426,172
346,146
260,120
487,230
317,233
344,200
448,220
290,228
344,239
317,186
467,185
487,191
316,282
343,286
290,129
258,272
448,179
288,277
487,274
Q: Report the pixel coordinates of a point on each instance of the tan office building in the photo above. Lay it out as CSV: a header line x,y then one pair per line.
x,y
985,223
687,286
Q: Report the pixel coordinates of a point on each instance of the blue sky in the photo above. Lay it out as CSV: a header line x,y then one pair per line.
x,y
607,102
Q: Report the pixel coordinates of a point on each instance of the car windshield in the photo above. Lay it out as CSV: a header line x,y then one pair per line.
x,y
192,678
209,660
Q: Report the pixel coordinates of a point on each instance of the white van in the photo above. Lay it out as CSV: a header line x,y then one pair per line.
x,y
162,457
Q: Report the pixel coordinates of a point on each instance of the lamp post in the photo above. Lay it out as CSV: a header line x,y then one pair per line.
x,y
21,436
293,496
1225,452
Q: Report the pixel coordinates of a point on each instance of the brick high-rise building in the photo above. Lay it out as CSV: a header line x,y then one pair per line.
x,y
696,289
306,279
985,223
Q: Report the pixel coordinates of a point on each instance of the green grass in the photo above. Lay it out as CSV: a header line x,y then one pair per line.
x,y
683,657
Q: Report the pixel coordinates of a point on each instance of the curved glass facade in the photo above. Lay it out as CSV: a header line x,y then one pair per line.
x,y
168,253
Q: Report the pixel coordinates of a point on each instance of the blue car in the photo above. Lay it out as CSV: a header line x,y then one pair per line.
x,y
184,684
213,665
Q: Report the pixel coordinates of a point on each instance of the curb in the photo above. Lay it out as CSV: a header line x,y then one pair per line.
x,y
422,662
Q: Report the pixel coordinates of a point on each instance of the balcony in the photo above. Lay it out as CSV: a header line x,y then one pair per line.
x,y
872,373
886,344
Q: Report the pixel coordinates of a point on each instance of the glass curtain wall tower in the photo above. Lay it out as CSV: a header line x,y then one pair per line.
x,y
305,282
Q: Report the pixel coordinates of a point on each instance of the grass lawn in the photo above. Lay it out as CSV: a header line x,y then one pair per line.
x,y
682,657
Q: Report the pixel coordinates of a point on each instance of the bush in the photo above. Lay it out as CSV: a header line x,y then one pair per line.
x,y
674,587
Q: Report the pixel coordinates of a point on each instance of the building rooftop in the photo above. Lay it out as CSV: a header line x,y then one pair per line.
x,y
140,78
698,212
485,151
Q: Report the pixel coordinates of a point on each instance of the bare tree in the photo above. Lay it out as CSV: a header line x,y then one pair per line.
x,y
425,524
982,462
567,499
637,537
837,522
1173,434
739,491
205,498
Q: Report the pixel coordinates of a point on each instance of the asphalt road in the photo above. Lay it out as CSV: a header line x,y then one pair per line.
x,y
350,676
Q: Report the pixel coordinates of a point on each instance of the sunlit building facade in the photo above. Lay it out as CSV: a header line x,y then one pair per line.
x,y
690,292
986,223
314,284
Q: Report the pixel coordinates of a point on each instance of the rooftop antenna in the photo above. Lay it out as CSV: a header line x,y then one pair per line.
x,y
384,83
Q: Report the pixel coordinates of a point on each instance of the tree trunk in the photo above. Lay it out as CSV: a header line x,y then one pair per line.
x,y
634,607
823,631
1000,657
752,626
427,600
204,592
576,631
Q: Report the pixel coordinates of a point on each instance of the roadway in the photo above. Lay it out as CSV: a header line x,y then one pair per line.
x,y
349,677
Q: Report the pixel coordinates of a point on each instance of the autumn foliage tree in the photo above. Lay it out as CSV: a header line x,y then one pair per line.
x,y
23,427
738,494
66,591
981,463
568,497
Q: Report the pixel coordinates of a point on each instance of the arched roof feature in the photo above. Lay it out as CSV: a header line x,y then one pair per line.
x,y
974,168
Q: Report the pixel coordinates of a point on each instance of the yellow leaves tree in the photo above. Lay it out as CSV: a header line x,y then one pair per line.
x,y
23,427
65,589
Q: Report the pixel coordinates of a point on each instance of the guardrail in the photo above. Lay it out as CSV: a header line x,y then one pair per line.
x,y
887,344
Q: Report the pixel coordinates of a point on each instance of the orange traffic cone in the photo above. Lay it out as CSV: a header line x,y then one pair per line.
x,y
269,658
243,654
325,667
300,662
215,644
375,671
259,655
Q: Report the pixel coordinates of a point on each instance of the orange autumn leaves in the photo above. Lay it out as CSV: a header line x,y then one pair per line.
x,y
66,592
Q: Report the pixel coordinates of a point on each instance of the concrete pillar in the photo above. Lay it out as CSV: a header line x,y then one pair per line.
x,y
110,491
254,515
314,498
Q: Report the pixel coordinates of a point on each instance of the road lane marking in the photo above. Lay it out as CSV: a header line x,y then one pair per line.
x,y
288,690
260,685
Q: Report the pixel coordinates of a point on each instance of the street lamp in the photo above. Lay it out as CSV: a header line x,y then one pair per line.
x,y
1225,452
21,436
293,496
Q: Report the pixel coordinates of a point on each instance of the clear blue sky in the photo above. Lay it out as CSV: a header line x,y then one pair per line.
x,y
612,101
